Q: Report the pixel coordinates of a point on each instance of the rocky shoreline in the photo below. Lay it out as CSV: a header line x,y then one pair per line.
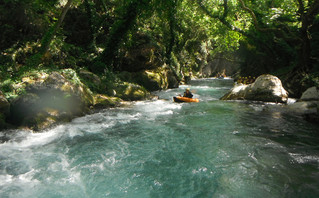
x,y
48,98
51,98
268,88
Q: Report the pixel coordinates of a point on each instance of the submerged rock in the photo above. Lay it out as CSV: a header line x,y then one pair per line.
x,y
266,88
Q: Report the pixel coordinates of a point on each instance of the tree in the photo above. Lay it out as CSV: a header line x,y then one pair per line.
x,y
46,40
120,28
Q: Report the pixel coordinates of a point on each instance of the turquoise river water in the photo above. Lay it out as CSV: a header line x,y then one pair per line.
x,y
163,149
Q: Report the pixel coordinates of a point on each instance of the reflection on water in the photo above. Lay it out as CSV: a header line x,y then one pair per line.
x,y
163,149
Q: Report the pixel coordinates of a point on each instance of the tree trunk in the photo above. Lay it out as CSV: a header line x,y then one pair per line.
x,y
90,16
118,32
46,40
169,49
307,19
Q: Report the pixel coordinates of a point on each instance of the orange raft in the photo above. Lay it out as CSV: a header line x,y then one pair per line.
x,y
184,99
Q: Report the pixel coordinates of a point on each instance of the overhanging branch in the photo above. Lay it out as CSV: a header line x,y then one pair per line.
x,y
223,18
255,21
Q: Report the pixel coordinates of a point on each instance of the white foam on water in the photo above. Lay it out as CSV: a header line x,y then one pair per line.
x,y
302,159
157,108
23,182
291,100
34,139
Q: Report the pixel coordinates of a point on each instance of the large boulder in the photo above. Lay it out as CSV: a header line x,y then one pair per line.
x,y
92,80
266,88
308,105
103,101
60,96
152,80
130,91
311,94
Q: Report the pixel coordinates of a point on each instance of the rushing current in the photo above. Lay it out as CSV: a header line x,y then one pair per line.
x,y
164,149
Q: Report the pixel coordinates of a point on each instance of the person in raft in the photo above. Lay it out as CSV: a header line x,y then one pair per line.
x,y
188,93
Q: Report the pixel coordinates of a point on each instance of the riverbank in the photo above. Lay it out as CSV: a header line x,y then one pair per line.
x,y
40,99
44,99
268,88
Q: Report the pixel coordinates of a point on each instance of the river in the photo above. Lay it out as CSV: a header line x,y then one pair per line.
x,y
164,149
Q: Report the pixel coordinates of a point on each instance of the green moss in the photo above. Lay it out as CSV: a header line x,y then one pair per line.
x,y
311,80
130,91
103,101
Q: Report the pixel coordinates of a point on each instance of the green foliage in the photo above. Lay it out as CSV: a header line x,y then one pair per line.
x,y
311,80
272,36
12,88
6,86
71,75
30,19
46,40
34,61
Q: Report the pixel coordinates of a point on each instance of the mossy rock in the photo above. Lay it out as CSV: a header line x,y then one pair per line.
x,y
103,101
47,117
92,80
152,80
57,97
131,92
24,106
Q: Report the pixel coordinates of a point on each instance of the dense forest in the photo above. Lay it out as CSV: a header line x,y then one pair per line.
x,y
60,58
272,36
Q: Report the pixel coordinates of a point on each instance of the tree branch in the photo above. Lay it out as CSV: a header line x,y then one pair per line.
x,y
223,18
255,21
46,40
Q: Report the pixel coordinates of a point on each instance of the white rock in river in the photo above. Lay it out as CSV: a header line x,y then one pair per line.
x,y
266,88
